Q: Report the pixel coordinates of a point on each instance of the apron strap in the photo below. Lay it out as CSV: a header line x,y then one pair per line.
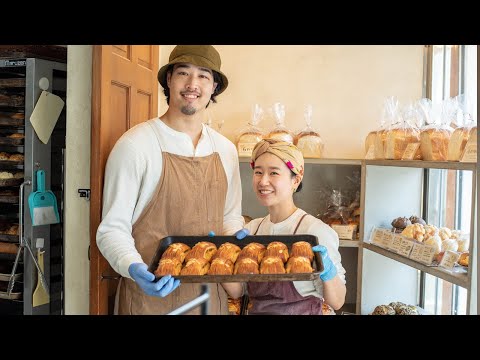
x,y
156,131
298,225
255,233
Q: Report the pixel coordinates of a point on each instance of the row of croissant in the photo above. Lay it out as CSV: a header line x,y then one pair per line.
x,y
204,258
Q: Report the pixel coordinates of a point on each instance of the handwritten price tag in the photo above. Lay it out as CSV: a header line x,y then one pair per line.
x,y
417,252
470,152
377,236
388,239
396,243
449,259
245,149
428,254
405,246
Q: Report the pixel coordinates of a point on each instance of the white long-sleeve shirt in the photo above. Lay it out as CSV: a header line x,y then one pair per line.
x,y
310,226
132,173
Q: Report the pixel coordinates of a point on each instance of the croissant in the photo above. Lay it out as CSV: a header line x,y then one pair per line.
x,y
246,266
272,265
170,266
176,250
464,259
302,248
195,267
227,251
278,249
202,250
254,251
298,264
221,266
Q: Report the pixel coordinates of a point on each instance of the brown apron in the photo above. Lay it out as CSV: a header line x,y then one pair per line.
x,y
188,200
281,298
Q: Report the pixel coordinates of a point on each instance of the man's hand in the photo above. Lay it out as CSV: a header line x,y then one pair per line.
x,y
329,268
146,280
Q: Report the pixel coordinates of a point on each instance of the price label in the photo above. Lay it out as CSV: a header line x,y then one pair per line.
x,y
377,236
370,155
396,243
449,259
470,152
410,151
405,246
388,239
417,252
428,254
245,149
345,231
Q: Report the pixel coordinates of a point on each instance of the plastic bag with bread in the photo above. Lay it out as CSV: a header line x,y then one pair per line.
x,y
248,136
279,131
308,140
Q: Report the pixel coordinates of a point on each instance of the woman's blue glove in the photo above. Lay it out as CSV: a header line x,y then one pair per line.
x,y
242,233
146,280
329,268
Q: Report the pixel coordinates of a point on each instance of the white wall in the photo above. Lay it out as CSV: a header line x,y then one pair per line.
x,y
345,84
77,169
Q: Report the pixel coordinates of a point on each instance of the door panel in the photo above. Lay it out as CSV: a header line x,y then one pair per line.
x,y
124,93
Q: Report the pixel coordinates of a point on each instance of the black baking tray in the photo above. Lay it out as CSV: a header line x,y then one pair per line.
x,y
219,240
11,182
8,199
5,140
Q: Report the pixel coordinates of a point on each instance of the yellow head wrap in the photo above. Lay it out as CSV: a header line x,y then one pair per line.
x,y
286,151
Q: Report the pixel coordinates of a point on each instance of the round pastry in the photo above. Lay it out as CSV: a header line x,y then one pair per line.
x,y
383,310
401,223
407,310
272,265
246,266
417,220
302,248
279,249
298,265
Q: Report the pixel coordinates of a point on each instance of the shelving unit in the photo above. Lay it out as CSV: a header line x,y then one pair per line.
x,y
321,176
398,188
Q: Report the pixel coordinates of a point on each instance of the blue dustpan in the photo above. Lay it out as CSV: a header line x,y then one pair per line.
x,y
43,204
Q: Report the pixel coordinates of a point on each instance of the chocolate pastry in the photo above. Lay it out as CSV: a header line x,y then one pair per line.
x,y
417,220
401,223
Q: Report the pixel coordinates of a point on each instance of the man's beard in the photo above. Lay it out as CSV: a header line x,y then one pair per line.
x,y
188,110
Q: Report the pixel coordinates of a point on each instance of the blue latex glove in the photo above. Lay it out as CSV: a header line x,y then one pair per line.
x,y
242,233
329,268
146,280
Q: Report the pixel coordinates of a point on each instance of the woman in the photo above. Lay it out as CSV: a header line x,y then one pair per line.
x,y
278,169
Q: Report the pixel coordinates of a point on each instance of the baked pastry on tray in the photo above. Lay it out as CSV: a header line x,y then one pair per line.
x,y
202,250
272,265
227,251
246,265
279,249
176,250
195,267
166,266
302,248
254,251
220,266
298,264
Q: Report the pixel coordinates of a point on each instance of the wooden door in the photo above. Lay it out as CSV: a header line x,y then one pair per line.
x,y
124,93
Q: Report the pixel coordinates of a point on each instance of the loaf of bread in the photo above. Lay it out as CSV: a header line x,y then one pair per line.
x,y
434,143
247,141
310,144
457,143
166,266
279,249
370,140
302,248
227,251
298,264
254,251
283,135
202,250
176,250
380,141
220,266
195,266
246,266
272,265
397,141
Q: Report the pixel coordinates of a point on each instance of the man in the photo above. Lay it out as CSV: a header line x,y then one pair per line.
x,y
170,176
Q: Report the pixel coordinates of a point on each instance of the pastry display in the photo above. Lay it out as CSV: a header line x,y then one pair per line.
x,y
227,251
220,266
278,249
395,308
167,266
417,220
298,264
400,223
16,157
383,310
176,250
16,136
272,265
302,248
463,259
195,266
202,250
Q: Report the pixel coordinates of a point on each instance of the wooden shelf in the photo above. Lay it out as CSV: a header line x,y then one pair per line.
x,y
319,161
452,165
455,277
349,243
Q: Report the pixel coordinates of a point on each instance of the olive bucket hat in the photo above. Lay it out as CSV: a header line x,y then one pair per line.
x,y
199,55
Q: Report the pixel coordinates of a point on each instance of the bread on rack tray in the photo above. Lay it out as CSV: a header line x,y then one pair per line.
x,y
220,266
195,266
302,248
176,250
298,264
166,266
